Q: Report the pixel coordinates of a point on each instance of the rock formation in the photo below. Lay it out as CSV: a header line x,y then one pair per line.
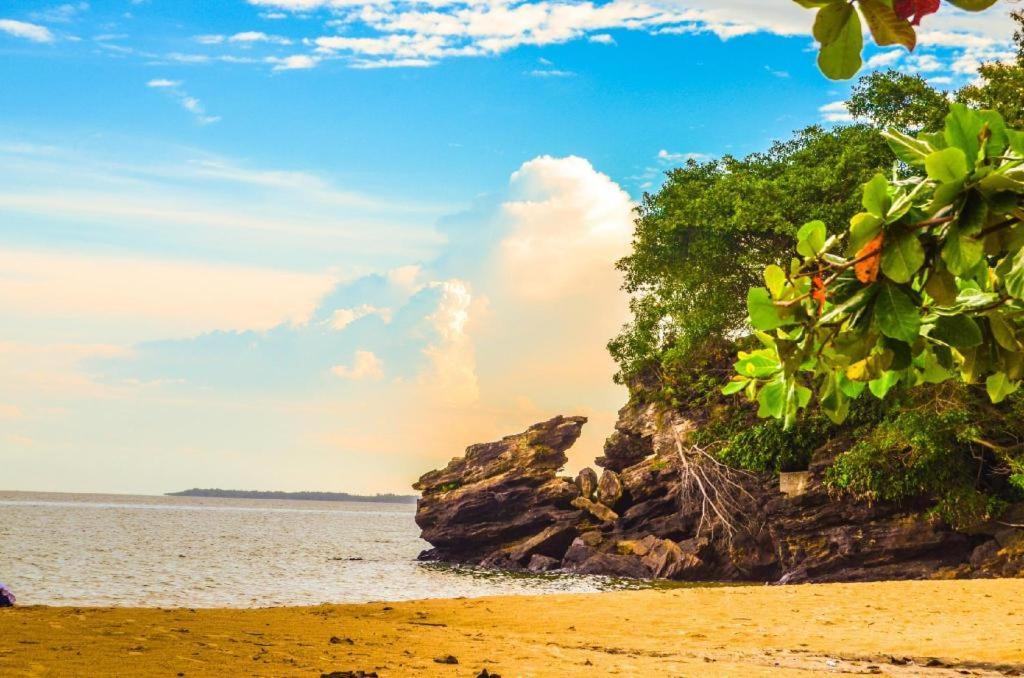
x,y
662,509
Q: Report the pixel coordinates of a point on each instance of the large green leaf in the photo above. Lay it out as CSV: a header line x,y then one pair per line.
x,y
839,58
958,331
963,128
962,252
972,5
876,198
896,314
772,400
764,314
864,226
999,386
1012,270
886,26
902,256
947,166
811,238
908,149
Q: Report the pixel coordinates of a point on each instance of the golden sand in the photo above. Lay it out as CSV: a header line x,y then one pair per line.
x,y
892,628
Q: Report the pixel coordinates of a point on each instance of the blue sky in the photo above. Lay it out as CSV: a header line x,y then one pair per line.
x,y
325,244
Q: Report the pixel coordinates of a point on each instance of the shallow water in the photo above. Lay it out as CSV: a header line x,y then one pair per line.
x,y
90,549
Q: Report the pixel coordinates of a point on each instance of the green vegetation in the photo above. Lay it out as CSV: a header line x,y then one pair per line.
x,y
839,27
931,300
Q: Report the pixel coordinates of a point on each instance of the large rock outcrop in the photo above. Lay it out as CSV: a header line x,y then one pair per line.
x,y
502,502
662,509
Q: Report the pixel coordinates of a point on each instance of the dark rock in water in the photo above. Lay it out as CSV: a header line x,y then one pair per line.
x,y
586,483
502,505
502,502
539,563
7,598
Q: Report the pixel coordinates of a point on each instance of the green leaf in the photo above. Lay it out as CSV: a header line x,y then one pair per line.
x,y
958,331
971,5
946,166
896,314
735,386
811,238
941,287
886,26
764,315
999,386
775,279
1004,332
757,364
772,400
902,256
1013,277
864,226
908,149
962,252
876,198
840,58
963,127
880,387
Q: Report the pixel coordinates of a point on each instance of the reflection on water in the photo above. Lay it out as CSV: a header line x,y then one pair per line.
x,y
67,549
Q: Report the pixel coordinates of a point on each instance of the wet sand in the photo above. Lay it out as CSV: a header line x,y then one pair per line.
x,y
941,628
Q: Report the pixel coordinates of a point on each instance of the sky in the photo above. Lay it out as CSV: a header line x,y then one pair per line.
x,y
327,244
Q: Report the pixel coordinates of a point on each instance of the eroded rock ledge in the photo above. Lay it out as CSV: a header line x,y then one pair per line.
x,y
504,505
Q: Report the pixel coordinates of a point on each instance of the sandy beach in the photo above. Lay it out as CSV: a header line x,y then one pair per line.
x,y
935,628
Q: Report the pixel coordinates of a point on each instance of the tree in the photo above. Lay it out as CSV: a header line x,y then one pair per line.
x,y
704,237
893,99
1001,85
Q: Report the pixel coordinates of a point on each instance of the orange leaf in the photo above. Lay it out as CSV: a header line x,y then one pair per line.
x,y
819,294
870,259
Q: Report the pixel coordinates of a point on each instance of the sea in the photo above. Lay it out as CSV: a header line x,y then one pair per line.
x,y
158,551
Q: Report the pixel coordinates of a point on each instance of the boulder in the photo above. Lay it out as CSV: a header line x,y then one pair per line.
x,y
609,489
586,482
599,511
539,563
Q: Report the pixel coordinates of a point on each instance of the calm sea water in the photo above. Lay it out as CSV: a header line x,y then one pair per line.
x,y
88,549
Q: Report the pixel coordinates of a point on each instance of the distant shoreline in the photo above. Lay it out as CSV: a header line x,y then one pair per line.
x,y
304,496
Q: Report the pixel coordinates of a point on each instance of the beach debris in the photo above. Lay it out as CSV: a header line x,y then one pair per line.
x,y
335,640
349,674
447,659
7,598
487,674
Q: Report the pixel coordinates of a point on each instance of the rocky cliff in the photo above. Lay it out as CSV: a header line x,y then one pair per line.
x,y
662,508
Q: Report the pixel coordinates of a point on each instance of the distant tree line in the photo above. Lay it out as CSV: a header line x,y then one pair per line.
x,y
306,496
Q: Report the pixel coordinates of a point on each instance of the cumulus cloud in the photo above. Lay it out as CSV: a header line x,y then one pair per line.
x,y
293,62
407,366
23,29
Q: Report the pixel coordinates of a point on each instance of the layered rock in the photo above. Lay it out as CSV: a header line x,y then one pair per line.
x,y
502,502
661,509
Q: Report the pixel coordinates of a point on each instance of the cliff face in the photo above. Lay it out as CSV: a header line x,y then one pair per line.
x,y
661,508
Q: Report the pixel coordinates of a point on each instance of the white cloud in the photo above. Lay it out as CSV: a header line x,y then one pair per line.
x,y
365,367
883,59
293,62
836,112
550,73
185,100
602,39
210,39
64,13
22,29
343,317
247,37
669,157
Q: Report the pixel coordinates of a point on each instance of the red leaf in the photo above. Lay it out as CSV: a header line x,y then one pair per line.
x,y
918,9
